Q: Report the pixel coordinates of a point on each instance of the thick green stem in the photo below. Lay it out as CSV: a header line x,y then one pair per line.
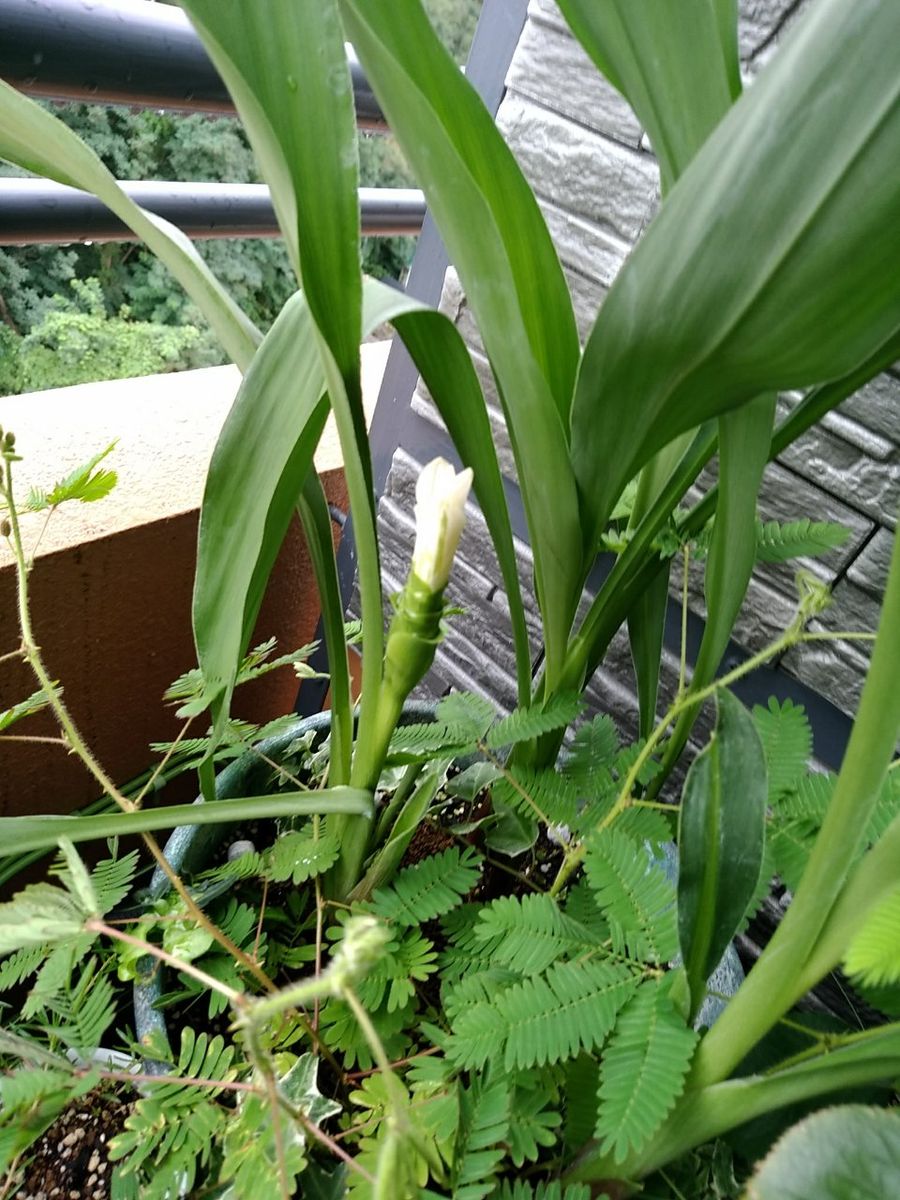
x,y
707,1113
781,976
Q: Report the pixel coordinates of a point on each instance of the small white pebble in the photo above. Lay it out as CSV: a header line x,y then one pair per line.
x,y
239,848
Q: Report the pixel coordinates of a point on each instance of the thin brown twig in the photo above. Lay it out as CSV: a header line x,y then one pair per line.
x,y
330,1144
19,652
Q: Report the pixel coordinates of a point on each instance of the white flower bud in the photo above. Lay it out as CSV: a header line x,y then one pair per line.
x,y
440,516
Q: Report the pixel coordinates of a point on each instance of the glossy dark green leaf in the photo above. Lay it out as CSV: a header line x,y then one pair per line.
x,y
499,243
847,1153
32,138
721,836
772,262
676,64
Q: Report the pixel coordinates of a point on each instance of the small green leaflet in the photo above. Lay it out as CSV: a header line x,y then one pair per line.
x,y
35,703
874,954
85,483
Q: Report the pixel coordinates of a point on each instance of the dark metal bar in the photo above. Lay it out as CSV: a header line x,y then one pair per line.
x,y
33,210
124,52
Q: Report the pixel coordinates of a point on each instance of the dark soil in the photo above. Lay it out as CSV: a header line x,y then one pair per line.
x,y
70,1161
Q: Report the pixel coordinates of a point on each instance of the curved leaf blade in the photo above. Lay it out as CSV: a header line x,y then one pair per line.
x,y
297,108
497,239
32,138
721,837
650,54
772,261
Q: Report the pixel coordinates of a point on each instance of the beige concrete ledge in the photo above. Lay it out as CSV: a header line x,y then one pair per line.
x,y
112,583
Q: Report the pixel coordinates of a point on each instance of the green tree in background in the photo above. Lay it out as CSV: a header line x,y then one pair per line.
x,y
40,314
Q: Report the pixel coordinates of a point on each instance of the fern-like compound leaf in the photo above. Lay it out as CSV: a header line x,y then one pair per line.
x,y
797,539
301,855
20,965
523,724
545,1019
786,736
554,1190
483,1127
643,1070
428,889
530,932
534,1121
634,895
471,714
546,795
590,758
874,954
34,703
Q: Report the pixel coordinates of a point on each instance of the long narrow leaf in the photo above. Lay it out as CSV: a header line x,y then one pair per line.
x,y
772,261
721,834
497,238
650,53
285,67
744,440
32,138
313,509
262,456
19,834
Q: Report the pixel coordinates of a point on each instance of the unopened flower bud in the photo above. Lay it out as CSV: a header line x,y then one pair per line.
x,y
5,528
441,496
361,947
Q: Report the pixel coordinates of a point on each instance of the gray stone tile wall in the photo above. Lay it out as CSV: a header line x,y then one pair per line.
x,y
584,153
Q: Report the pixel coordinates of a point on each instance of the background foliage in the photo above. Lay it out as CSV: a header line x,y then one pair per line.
x,y
52,336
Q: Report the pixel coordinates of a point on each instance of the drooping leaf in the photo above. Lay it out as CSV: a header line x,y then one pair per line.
x,y
750,278
35,703
31,137
651,57
846,1153
720,841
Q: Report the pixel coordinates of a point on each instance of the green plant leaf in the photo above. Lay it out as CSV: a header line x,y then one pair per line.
x,y
34,139
874,953
643,1070
302,126
720,840
646,627
18,834
797,539
499,243
85,483
846,1153
634,895
787,743
35,703
765,269
744,440
650,55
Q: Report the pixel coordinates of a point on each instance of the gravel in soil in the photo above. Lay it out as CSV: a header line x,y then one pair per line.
x,y
70,1160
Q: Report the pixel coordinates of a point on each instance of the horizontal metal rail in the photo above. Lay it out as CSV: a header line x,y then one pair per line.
x,y
125,52
33,210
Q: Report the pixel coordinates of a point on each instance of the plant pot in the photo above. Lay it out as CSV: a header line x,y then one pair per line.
x,y
189,848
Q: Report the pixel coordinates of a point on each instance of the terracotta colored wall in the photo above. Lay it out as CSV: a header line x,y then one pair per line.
x,y
113,619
